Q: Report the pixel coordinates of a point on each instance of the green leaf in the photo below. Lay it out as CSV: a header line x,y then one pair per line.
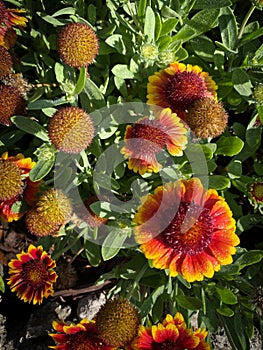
x,y
158,26
30,126
235,331
122,71
258,57
141,9
113,243
190,303
253,134
19,207
228,27
55,22
226,295
260,112
234,169
81,81
225,311
211,4
149,24
249,258
2,285
219,182
229,145
203,47
11,138
120,43
93,93
148,304
92,252
41,169
40,104
250,37
200,23
241,82
168,26
64,11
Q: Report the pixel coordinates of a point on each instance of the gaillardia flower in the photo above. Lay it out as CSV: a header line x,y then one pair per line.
x,y
187,229
32,275
77,44
147,137
11,103
71,129
256,191
178,86
169,335
5,62
16,185
117,322
207,118
83,335
50,213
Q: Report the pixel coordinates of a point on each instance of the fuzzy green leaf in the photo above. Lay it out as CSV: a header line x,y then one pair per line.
x,y
241,82
81,81
113,243
211,4
30,126
41,169
149,24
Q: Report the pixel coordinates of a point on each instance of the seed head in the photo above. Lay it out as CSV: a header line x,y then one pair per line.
x,y
77,45
11,103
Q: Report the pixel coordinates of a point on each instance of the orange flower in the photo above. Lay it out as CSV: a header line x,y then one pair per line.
x,y
10,18
170,334
186,228
17,186
32,275
147,137
83,335
178,86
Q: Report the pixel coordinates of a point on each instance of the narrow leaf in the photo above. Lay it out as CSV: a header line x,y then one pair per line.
x,y
30,126
81,81
149,24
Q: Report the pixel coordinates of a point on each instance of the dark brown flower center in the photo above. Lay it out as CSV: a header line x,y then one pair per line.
x,y
35,273
149,136
257,191
190,231
84,341
166,345
183,89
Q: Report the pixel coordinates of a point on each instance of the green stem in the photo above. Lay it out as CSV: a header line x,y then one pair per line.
x,y
244,23
57,254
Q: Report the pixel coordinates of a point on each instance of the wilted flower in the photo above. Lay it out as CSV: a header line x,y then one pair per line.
x,y
16,185
50,213
32,275
17,81
147,137
83,335
117,322
169,335
187,229
71,129
77,45
178,86
207,118
11,103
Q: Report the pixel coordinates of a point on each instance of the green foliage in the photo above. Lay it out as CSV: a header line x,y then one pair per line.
x,y
137,39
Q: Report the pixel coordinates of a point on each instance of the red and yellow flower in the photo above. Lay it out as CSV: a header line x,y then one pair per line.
x,y
17,185
32,275
187,229
147,137
10,18
170,334
83,335
178,86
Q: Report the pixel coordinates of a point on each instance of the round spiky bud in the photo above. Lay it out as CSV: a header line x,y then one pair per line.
x,y
71,130
11,182
207,118
117,322
51,211
11,103
5,62
149,52
67,276
77,45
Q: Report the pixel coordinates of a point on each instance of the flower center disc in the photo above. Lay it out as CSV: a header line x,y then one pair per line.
x,y
35,273
183,89
190,231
